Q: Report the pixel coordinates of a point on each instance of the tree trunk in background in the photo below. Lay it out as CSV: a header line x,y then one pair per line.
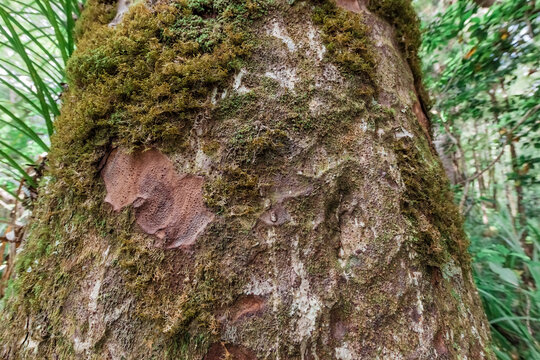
x,y
288,203
521,215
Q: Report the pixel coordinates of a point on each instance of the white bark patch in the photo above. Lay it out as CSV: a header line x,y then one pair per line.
x,y
315,43
259,287
241,89
418,326
344,352
94,295
79,345
305,304
403,133
123,7
363,126
271,236
203,161
285,77
213,98
32,345
281,33
272,285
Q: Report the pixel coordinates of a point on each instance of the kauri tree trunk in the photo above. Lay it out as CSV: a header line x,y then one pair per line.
x,y
244,179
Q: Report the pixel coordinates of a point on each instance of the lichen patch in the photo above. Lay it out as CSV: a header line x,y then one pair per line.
x,y
344,352
305,303
279,32
315,43
237,86
286,77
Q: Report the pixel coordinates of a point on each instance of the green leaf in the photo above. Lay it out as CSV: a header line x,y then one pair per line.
x,y
505,274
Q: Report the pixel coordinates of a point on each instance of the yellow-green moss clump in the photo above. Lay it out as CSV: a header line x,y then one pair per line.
x,y
347,42
428,203
234,187
141,83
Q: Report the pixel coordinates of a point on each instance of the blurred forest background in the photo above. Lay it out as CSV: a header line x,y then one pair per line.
x,y
481,66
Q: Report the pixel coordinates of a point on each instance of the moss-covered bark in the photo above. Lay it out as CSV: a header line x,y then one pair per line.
x,y
334,235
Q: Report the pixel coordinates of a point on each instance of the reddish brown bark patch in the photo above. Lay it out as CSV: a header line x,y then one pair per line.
x,y
340,325
439,344
221,351
422,119
167,205
247,306
351,5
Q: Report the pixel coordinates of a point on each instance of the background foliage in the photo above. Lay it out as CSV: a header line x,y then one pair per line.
x,y
481,67
36,40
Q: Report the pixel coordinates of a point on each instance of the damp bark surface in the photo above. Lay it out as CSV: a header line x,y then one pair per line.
x,y
245,180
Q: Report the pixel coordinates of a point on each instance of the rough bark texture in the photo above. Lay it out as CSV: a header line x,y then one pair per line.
x,y
274,192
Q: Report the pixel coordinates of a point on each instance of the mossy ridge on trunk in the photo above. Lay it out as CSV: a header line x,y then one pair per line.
x,y
247,87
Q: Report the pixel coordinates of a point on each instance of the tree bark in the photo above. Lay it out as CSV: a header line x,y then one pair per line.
x,y
270,193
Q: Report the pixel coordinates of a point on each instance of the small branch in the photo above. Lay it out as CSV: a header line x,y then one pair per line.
x,y
5,239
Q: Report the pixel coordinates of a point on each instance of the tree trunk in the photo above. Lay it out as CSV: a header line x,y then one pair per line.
x,y
521,215
245,180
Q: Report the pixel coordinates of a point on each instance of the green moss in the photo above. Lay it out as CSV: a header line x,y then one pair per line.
x,y
250,144
234,187
347,42
142,83
429,204
210,148
95,12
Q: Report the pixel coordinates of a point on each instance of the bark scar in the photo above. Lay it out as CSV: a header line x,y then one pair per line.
x,y
167,204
